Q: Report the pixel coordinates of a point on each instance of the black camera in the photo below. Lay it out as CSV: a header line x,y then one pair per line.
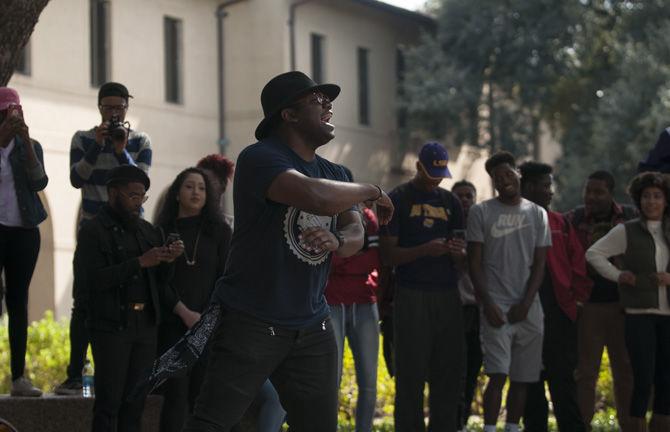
x,y
117,129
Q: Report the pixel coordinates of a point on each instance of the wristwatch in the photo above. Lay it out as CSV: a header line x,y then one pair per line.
x,y
340,239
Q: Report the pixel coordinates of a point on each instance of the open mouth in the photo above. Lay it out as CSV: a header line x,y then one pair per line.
x,y
325,118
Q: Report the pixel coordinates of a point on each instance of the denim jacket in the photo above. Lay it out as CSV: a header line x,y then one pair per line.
x,y
27,182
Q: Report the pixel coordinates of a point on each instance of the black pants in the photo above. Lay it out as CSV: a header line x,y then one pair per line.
x,y
19,248
121,357
244,352
559,356
473,361
179,393
648,343
429,347
79,339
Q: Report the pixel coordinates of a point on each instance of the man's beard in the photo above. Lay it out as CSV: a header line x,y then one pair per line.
x,y
129,220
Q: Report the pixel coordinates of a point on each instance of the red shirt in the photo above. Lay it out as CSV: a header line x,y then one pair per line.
x,y
567,266
354,279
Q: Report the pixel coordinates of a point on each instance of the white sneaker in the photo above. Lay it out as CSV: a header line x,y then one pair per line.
x,y
22,387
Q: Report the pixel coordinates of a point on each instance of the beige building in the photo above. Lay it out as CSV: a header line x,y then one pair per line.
x,y
196,68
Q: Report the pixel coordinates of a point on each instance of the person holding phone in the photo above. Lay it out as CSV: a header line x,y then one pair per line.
x,y
22,175
123,269
421,243
190,213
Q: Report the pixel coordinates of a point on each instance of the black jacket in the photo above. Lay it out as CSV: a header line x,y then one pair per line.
x,y
102,271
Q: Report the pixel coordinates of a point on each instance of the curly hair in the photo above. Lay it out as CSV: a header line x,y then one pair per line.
x,y
219,165
646,180
501,157
210,213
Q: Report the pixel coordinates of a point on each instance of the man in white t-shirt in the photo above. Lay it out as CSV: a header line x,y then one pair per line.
x,y
508,237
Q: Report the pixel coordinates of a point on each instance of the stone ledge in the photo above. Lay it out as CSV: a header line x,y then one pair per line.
x,y
51,413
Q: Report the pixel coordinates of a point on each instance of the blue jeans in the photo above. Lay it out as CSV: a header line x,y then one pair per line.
x,y
360,324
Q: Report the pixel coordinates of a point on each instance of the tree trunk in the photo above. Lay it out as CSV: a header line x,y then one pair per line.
x,y
18,21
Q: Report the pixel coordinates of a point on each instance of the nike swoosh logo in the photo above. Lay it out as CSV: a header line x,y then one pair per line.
x,y
501,232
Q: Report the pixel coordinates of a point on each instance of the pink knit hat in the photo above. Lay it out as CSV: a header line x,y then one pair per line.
x,y
8,97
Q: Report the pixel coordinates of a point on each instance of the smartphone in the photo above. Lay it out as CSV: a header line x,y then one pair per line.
x,y
171,238
459,234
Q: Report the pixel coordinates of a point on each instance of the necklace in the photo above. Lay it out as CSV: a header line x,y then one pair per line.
x,y
191,262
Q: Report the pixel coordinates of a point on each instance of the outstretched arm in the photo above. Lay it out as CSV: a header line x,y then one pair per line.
x,y
327,197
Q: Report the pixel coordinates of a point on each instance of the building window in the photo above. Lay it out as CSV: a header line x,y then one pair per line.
x,y
99,42
317,58
173,59
23,65
363,87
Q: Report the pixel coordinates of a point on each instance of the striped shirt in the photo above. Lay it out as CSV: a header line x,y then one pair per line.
x,y
90,163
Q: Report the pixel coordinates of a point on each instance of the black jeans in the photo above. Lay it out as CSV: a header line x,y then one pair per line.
x,y
648,343
429,346
473,361
19,248
179,393
121,359
244,352
559,356
79,339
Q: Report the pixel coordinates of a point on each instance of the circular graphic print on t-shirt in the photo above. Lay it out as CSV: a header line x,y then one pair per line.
x,y
295,222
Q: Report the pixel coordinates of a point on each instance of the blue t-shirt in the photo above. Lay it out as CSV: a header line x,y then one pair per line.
x,y
269,275
419,217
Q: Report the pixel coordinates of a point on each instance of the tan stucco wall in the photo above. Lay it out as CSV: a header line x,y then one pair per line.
x,y
58,100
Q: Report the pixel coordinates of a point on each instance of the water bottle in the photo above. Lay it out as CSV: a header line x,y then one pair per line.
x,y
87,379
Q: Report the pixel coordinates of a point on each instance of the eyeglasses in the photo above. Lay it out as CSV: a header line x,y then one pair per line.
x,y
113,108
318,98
142,198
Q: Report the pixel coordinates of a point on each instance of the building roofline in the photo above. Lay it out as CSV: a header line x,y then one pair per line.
x,y
405,13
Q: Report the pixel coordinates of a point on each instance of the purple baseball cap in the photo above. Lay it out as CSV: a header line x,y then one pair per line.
x,y
8,97
434,157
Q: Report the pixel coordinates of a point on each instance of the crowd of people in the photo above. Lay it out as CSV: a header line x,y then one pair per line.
x,y
216,319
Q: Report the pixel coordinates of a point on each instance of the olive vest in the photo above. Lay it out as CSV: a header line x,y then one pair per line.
x,y
640,259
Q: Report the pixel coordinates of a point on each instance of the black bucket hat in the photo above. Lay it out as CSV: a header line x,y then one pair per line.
x,y
125,174
282,90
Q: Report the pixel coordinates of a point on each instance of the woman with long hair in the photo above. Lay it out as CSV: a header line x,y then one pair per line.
x,y
641,246
191,212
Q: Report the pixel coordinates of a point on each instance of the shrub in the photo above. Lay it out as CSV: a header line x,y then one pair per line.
x,y
49,350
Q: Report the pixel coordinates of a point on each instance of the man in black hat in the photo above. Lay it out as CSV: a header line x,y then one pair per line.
x,y
92,154
293,209
118,268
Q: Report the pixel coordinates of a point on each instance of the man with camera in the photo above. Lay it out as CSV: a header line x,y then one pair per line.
x,y
93,154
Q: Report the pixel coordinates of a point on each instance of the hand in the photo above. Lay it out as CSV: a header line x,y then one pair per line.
x,y
189,317
316,239
155,256
457,248
661,279
436,247
494,315
120,145
517,313
384,209
101,133
175,249
626,278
